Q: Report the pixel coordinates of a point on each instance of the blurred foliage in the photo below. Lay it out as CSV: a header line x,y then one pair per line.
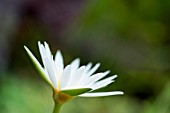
x,y
25,95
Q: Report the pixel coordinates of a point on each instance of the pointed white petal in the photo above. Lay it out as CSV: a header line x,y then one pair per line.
x,y
103,83
49,64
93,69
59,62
91,80
88,66
99,76
51,71
102,94
38,66
41,49
75,64
85,75
48,52
79,75
75,77
65,77
94,78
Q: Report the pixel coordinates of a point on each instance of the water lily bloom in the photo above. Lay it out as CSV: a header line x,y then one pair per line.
x,y
71,80
72,76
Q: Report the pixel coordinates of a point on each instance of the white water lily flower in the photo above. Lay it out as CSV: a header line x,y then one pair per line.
x,y
73,79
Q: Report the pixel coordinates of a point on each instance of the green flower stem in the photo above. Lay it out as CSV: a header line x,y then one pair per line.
x,y
59,99
57,108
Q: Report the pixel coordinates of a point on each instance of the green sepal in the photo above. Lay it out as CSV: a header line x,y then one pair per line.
x,y
37,65
75,92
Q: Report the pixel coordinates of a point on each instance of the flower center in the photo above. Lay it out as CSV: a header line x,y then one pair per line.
x,y
60,97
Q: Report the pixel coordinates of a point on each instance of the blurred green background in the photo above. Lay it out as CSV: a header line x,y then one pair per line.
x,y
129,37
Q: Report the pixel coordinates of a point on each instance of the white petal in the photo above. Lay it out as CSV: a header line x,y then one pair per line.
x,y
93,69
48,52
41,49
38,65
51,71
85,75
79,75
76,77
49,64
103,82
65,77
88,66
94,78
75,64
59,62
99,76
101,94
